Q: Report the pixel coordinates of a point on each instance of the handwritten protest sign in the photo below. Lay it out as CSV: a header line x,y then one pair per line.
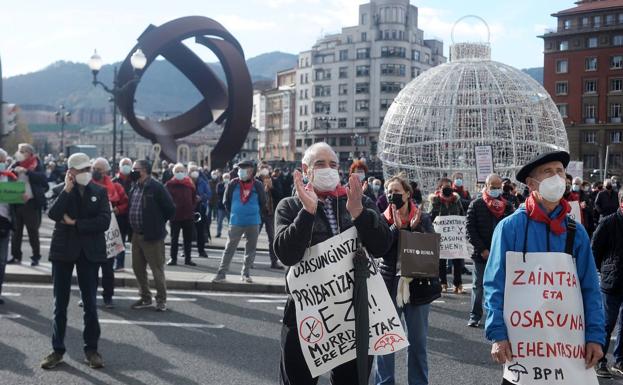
x,y
454,243
576,212
544,317
114,242
322,287
484,162
12,192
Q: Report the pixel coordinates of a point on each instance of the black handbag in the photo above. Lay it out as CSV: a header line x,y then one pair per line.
x,y
418,254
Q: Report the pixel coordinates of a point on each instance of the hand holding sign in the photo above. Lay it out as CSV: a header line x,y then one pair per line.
x,y
308,198
501,351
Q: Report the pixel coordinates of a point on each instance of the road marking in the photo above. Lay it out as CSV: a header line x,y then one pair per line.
x,y
172,299
10,294
10,316
254,300
280,308
439,301
152,323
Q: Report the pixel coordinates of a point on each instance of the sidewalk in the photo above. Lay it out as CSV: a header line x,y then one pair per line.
x,y
265,280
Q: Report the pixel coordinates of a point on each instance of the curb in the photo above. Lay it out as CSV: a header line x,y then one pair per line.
x,y
171,284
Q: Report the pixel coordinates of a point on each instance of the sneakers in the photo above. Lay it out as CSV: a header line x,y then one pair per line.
x,y
444,288
190,263
602,370
161,306
141,303
203,254
94,359
459,290
473,323
51,360
617,368
219,278
246,278
172,262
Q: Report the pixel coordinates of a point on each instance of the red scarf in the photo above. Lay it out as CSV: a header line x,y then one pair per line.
x,y
107,183
445,200
496,206
573,197
184,182
460,190
29,164
338,192
9,174
245,190
405,220
535,212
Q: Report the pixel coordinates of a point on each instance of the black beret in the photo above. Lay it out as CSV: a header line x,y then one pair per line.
x,y
560,156
245,164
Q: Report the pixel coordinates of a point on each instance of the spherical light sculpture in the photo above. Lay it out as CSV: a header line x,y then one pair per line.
x,y
435,122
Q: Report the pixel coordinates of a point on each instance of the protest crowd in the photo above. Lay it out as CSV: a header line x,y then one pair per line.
x,y
544,220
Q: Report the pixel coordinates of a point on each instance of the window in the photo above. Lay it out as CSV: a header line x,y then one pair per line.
x,y
617,40
415,55
415,72
589,111
364,36
343,72
596,21
363,53
563,45
332,141
363,70
341,122
306,94
364,18
306,78
616,62
614,160
385,103
616,85
585,22
343,89
562,108
567,24
362,88
305,124
562,66
590,137
616,136
590,86
322,108
345,141
393,52
299,143
341,106
590,64
562,88
393,69
610,19
591,42
590,161
615,111
343,55
620,18
320,91
391,87
361,122
362,105
323,74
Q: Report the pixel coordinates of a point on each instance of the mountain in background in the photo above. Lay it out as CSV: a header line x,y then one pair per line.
x,y
162,89
536,73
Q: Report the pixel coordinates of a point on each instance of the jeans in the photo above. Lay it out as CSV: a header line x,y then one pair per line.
x,y
612,309
108,280
416,325
201,236
269,222
87,281
187,230
477,291
126,230
4,253
457,270
220,217
234,236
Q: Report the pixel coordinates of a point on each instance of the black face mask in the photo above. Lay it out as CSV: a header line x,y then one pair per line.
x,y
508,188
97,175
396,199
446,191
135,175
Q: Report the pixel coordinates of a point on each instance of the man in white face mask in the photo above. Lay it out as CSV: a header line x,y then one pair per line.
x,y
540,240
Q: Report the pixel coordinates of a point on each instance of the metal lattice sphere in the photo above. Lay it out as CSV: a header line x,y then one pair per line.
x,y
434,123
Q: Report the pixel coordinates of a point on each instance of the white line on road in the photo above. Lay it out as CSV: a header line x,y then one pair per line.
x,y
10,294
10,316
169,299
253,300
280,308
152,323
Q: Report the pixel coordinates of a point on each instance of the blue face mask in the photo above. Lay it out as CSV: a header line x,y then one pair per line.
x,y
458,182
575,188
376,187
495,193
2,166
180,175
242,173
126,169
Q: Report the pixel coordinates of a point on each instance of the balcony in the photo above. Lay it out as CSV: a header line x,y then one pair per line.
x,y
589,120
615,119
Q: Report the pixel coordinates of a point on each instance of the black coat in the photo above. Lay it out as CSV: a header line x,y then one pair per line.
x,y
480,224
607,245
296,230
92,214
606,203
158,208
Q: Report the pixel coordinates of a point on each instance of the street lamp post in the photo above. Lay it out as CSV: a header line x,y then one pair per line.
x,y
62,117
138,62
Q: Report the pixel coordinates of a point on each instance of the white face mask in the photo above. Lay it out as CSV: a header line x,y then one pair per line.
x,y
194,174
552,188
264,172
19,157
325,179
84,178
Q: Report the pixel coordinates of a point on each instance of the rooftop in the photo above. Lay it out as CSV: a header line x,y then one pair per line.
x,y
590,6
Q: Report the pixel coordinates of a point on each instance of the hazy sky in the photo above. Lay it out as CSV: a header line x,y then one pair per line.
x,y
36,33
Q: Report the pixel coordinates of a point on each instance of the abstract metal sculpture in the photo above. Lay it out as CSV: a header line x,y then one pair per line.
x,y
435,122
231,103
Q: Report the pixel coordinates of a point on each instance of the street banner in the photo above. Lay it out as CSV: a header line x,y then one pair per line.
x,y
576,212
454,244
321,285
484,162
575,169
544,317
114,242
12,192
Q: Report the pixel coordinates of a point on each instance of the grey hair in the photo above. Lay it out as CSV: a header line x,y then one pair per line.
x,y
310,153
178,165
123,160
491,176
103,161
27,146
3,154
578,179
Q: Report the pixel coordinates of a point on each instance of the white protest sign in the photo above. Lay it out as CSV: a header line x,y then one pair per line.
x,y
576,212
575,169
322,287
114,242
544,317
453,232
484,162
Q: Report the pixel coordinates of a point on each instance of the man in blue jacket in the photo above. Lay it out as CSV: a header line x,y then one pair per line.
x,y
204,193
541,226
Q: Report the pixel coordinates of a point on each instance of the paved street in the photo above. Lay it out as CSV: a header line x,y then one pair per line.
x,y
205,338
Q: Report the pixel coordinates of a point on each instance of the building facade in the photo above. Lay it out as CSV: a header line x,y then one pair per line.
x,y
347,81
583,71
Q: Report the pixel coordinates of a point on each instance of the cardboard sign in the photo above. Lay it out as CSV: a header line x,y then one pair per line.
x,y
575,169
453,232
12,192
544,317
322,287
114,242
576,211
484,162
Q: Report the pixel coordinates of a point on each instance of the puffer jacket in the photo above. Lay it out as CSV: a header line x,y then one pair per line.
x,y
607,248
438,209
296,230
480,225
